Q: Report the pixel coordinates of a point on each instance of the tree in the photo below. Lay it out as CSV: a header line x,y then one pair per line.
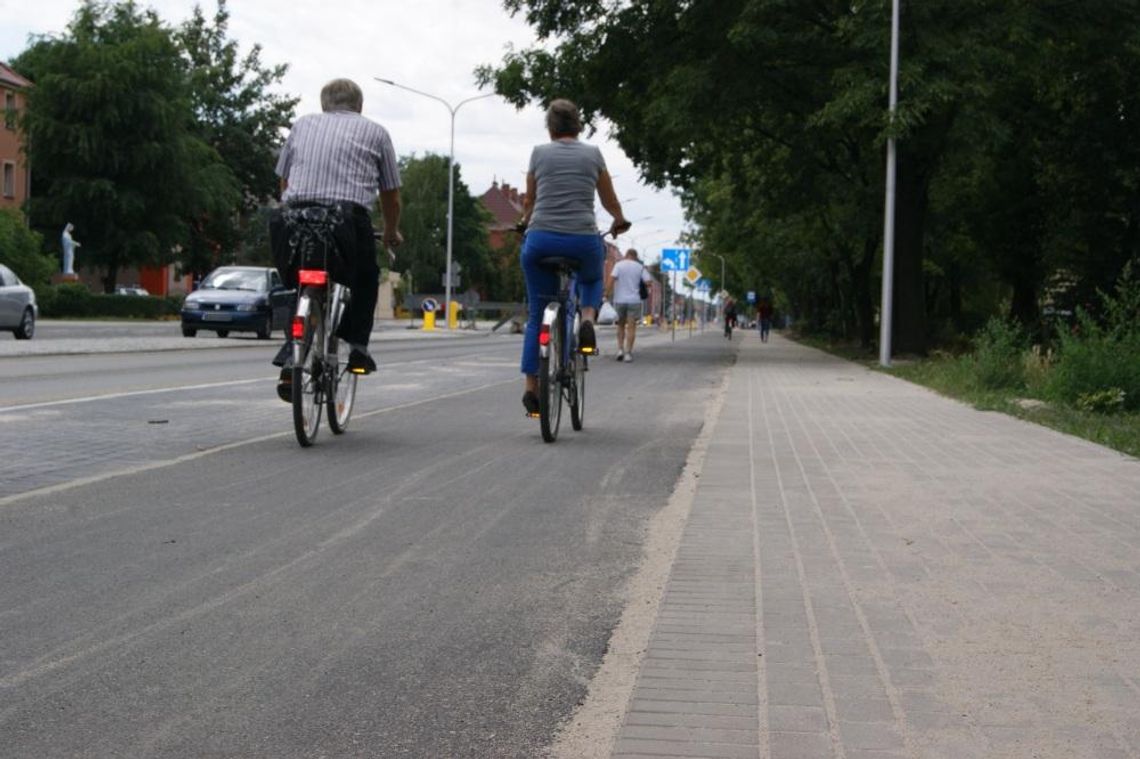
x,y
424,224
20,250
111,134
237,115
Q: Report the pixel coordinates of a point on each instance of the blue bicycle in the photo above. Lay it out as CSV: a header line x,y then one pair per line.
x,y
562,366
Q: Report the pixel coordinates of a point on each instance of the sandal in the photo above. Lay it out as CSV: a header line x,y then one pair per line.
x,y
530,403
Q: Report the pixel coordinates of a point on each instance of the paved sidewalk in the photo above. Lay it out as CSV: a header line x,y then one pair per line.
x,y
871,570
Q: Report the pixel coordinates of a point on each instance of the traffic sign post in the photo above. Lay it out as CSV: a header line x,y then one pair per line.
x,y
429,305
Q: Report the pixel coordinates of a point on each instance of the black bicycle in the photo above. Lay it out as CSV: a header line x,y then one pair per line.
x,y
321,378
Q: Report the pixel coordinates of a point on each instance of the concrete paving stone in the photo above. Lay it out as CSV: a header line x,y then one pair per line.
x,y
797,719
651,669
692,734
696,686
706,721
863,710
871,735
801,745
795,694
693,707
652,692
686,749
845,665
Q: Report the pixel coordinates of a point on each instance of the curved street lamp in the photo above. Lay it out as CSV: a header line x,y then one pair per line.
x,y
452,109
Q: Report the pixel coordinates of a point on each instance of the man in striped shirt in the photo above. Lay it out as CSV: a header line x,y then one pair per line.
x,y
339,156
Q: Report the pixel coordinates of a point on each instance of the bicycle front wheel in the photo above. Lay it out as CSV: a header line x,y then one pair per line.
x,y
342,394
550,384
308,376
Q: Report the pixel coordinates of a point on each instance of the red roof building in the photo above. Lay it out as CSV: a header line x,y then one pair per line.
x,y
506,206
15,178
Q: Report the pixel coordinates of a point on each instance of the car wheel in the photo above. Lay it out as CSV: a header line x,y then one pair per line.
x,y
223,333
189,332
27,326
264,330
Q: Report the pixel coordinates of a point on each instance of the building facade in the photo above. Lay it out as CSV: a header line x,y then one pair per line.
x,y
15,177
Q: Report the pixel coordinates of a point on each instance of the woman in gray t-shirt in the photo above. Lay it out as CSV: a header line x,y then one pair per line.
x,y
558,212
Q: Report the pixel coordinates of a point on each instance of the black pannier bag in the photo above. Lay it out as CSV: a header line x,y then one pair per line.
x,y
312,236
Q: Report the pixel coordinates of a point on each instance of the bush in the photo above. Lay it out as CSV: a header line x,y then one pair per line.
x,y
1098,361
998,358
20,250
73,300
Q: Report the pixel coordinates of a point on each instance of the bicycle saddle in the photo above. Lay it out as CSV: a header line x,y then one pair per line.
x,y
559,262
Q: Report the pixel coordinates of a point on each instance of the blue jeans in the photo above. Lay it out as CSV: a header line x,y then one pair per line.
x,y
542,284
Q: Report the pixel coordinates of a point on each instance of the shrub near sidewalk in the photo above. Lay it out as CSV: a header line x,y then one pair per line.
x,y
1098,365
76,301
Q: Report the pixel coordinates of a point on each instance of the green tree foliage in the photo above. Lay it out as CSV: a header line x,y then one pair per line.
x,y
424,225
1016,132
238,115
20,250
111,134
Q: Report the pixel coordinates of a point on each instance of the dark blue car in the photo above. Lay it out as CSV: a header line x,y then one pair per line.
x,y
236,299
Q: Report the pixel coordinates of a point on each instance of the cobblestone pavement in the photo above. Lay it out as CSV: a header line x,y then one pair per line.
x,y
871,570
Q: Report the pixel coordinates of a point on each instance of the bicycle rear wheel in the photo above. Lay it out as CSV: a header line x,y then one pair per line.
x,y
342,394
578,367
308,376
550,384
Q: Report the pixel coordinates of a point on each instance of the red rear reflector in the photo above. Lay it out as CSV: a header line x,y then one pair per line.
x,y
544,334
298,327
313,277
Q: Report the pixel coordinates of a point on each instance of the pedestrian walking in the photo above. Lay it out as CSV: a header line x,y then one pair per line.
x,y
627,286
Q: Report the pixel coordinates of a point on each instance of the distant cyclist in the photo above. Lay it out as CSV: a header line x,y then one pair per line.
x,y
340,157
624,285
558,214
729,316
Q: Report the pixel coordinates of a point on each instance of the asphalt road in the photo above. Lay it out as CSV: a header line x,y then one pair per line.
x,y
182,580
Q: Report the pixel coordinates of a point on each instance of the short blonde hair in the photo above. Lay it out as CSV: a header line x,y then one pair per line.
x,y
562,118
342,95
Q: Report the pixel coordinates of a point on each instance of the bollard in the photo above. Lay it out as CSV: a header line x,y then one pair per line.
x,y
429,321
453,317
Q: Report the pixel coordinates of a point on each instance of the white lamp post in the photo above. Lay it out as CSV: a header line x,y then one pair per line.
x,y
452,109
885,309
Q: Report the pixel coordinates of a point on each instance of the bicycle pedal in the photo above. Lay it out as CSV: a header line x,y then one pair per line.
x,y
532,414
359,370
588,351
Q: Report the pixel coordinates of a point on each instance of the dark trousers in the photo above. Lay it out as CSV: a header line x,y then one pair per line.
x,y
358,317
357,245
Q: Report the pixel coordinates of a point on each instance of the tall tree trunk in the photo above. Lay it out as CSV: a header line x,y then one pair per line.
x,y
908,328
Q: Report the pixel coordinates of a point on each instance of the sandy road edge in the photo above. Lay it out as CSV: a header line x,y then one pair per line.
x,y
592,729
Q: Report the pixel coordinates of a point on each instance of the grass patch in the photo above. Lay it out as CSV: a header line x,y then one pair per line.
x,y
958,377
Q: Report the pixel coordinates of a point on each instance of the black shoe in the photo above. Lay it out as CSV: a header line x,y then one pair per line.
x,y
285,385
284,354
530,403
360,362
587,343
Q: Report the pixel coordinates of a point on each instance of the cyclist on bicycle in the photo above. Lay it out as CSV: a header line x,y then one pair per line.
x,y
340,157
558,213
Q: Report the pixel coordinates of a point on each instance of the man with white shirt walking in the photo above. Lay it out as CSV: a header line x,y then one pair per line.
x,y
625,286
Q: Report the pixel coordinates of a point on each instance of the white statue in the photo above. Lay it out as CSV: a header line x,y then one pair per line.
x,y
69,246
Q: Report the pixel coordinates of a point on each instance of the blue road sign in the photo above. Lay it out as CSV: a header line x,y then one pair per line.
x,y
675,259
751,296
430,304
704,284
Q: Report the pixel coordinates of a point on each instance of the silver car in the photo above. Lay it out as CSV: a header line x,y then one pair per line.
x,y
18,310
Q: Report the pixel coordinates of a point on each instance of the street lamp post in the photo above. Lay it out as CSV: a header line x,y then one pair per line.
x,y
452,109
886,308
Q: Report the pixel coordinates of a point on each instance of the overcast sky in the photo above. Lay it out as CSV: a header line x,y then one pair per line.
x,y
431,45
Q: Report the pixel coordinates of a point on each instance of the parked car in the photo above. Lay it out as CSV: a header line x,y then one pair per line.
x,y
18,309
236,299
131,290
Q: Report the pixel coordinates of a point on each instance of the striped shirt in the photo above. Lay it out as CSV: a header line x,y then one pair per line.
x,y
337,156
